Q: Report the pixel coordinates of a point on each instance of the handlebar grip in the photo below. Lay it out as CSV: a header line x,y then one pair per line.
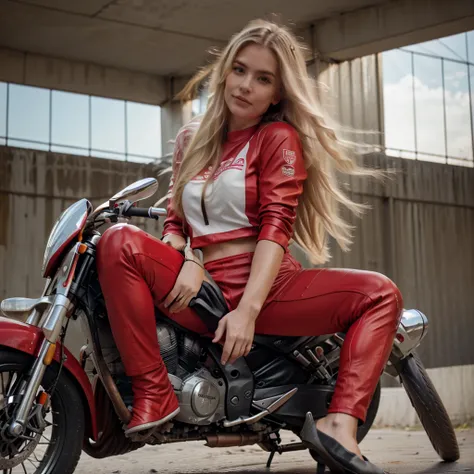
x,y
137,212
150,212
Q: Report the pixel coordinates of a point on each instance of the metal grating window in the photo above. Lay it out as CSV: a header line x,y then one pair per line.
x,y
79,124
428,100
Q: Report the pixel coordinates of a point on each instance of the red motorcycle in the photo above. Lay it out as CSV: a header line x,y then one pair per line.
x,y
53,406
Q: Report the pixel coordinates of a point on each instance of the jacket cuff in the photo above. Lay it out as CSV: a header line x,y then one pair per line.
x,y
173,232
173,229
274,234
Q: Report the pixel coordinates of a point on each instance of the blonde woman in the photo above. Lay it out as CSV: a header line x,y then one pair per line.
x,y
257,171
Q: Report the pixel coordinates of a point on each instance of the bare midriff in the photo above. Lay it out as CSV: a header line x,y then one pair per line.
x,y
229,249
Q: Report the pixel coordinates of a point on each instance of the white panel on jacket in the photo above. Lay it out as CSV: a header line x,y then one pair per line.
x,y
225,198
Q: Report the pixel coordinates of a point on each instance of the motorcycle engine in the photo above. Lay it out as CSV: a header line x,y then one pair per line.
x,y
201,396
168,346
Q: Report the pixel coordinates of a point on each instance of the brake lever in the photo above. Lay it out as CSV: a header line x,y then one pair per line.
x,y
123,208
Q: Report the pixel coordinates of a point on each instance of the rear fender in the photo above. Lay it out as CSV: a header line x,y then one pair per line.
x,y
25,338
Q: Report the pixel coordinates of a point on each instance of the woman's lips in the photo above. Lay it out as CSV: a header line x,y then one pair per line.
x,y
241,100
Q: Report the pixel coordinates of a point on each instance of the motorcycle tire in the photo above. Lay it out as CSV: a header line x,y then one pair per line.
x,y
429,407
67,408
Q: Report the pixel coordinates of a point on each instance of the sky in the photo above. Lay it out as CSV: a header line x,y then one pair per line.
x,y
414,86
28,111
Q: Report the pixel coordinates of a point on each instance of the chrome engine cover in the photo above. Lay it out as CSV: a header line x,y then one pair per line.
x,y
201,398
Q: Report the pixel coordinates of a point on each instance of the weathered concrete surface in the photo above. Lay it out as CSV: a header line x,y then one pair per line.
x,y
389,25
455,386
394,238
398,452
83,77
132,46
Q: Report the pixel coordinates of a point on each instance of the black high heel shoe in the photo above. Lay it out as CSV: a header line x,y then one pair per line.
x,y
330,453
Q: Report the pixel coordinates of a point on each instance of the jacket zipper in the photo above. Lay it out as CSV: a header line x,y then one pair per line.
x,y
203,209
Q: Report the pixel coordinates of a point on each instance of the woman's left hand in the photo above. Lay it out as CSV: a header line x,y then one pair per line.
x,y
238,327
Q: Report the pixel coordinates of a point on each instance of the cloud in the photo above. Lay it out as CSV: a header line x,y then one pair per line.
x,y
457,75
399,122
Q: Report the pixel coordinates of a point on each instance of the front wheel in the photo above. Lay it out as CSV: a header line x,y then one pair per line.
x,y
55,433
429,407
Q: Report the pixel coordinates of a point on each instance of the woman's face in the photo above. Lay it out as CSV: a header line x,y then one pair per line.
x,y
252,86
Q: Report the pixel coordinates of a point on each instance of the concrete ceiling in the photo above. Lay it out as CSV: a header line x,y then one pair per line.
x,y
163,37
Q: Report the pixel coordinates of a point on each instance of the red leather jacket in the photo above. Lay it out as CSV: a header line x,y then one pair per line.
x,y
254,192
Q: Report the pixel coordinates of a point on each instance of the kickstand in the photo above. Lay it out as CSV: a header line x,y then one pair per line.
x,y
270,459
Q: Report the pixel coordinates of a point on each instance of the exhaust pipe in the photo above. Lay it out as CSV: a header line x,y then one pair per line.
x,y
227,440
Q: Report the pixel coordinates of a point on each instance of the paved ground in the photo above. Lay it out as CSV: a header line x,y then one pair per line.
x,y
399,452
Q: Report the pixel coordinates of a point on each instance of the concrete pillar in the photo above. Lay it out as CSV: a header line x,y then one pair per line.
x,y
174,115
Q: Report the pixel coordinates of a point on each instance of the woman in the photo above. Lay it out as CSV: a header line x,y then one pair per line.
x,y
258,170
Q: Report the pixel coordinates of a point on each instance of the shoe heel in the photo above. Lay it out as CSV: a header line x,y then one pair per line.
x,y
320,464
309,436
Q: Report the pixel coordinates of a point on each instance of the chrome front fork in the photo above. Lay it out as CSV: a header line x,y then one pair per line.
x,y
51,330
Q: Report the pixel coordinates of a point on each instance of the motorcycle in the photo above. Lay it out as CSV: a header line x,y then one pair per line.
x,y
53,406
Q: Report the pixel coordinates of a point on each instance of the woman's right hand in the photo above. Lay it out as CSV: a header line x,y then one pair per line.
x,y
176,241
186,287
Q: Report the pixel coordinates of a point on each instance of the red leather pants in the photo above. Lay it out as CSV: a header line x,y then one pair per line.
x,y
137,271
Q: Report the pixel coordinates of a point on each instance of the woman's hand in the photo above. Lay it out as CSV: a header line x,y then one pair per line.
x,y
175,241
186,287
239,329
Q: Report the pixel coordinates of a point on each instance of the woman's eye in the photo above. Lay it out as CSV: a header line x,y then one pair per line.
x,y
238,69
264,79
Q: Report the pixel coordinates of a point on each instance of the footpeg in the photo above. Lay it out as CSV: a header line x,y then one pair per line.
x,y
249,420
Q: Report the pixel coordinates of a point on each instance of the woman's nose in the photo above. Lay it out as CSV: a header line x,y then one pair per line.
x,y
246,83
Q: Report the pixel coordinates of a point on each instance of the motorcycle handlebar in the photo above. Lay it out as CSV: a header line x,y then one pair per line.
x,y
150,212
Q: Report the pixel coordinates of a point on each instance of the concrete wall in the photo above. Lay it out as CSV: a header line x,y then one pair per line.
x,y
455,386
140,36
35,187
388,25
81,77
421,229
358,32
419,232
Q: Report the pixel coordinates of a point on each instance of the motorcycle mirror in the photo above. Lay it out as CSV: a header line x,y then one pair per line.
x,y
142,189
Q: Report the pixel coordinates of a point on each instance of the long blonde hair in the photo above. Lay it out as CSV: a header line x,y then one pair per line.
x,y
319,209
